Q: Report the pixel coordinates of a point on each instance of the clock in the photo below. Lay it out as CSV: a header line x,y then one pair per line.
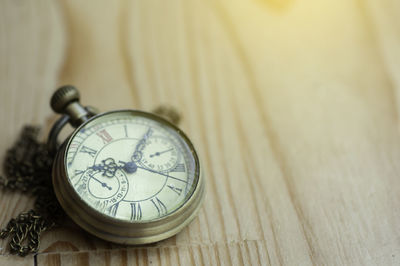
x,y
126,176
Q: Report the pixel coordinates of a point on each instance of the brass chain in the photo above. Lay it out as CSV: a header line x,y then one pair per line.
x,y
27,168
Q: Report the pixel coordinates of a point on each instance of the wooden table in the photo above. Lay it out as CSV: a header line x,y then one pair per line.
x,y
292,105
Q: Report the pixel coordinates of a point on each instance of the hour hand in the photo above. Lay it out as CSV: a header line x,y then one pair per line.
x,y
108,167
138,153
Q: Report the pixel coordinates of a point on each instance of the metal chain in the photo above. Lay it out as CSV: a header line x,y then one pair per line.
x,y
27,168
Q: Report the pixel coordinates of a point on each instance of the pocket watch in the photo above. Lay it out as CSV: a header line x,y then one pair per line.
x,y
126,176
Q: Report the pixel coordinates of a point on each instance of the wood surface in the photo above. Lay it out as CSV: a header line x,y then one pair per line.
x,y
293,107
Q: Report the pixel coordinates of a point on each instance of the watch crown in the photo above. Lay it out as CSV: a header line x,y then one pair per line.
x,y
62,97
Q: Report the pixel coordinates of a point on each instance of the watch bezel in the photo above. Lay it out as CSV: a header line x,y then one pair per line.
x,y
116,229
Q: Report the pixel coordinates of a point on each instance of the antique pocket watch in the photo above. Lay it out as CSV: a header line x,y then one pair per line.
x,y
126,176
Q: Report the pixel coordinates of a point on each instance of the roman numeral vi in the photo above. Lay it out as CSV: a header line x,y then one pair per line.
x,y
136,211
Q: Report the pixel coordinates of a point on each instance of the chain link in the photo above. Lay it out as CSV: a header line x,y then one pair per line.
x,y
27,168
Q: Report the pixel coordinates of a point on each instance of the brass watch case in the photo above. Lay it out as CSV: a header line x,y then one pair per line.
x,y
116,230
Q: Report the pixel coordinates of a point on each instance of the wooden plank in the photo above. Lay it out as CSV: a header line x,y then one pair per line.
x,y
290,104
17,261
31,54
384,24
329,113
96,61
243,253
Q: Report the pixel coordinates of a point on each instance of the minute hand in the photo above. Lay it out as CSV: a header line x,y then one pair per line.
x,y
160,173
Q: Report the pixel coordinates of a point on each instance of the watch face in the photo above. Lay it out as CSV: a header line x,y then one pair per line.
x,y
131,166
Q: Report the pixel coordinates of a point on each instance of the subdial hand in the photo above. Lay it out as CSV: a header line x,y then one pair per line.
x,y
159,153
103,184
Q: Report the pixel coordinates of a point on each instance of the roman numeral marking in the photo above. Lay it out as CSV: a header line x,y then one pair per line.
x,y
179,168
88,150
126,131
74,145
78,172
105,136
175,189
161,208
113,209
136,211
81,189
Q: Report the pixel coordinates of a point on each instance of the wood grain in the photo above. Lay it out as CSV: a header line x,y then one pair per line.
x,y
244,253
292,105
32,47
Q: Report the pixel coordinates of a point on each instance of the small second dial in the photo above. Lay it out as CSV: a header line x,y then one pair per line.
x,y
160,154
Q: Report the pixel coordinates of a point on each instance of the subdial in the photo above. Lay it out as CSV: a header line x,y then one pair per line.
x,y
101,190
160,154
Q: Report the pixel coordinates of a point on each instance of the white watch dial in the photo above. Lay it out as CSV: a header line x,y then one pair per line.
x,y
131,167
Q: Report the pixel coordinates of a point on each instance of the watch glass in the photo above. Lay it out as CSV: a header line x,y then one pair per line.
x,y
131,166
